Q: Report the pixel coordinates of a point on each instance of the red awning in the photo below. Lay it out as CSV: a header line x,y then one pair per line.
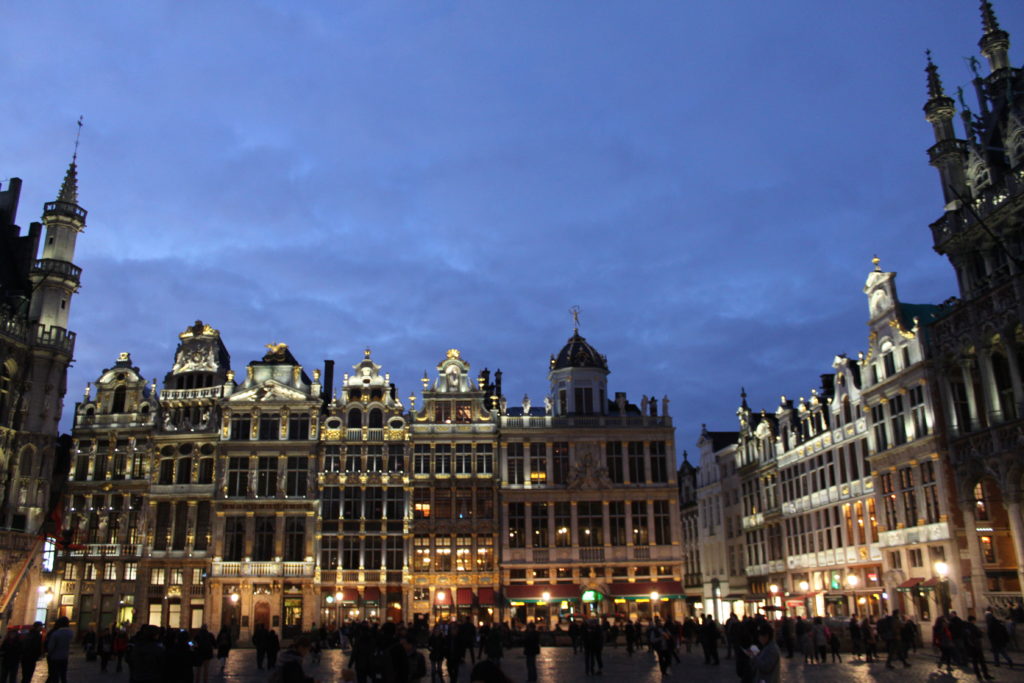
x,y
555,591
463,597
908,584
485,596
443,597
371,594
643,589
929,583
349,594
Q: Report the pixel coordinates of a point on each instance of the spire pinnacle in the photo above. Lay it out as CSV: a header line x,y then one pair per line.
x,y
69,188
988,17
934,82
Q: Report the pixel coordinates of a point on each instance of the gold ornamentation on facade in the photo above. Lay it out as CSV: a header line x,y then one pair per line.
x,y
896,325
453,354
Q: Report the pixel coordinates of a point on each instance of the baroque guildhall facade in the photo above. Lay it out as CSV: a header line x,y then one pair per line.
x,y
290,501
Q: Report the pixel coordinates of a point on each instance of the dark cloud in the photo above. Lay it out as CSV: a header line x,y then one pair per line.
x,y
707,182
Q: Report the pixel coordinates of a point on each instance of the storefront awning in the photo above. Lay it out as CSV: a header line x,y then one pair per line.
x,y
485,597
443,597
463,597
644,589
535,593
929,584
371,594
909,584
349,594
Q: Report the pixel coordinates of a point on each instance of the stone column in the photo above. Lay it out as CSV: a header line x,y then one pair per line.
x,y
1010,344
972,400
977,571
1013,512
989,390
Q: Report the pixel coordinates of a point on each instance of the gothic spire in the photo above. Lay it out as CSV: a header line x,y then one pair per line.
x,y
995,42
935,90
69,188
988,17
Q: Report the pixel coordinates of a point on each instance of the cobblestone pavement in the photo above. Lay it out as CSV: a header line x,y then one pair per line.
x,y
559,665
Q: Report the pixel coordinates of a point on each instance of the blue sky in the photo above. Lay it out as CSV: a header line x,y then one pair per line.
x,y
707,181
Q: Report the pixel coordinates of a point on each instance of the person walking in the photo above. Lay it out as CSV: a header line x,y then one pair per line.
x,y
975,650
855,637
998,637
437,647
531,648
31,651
273,647
202,654
10,656
146,657
120,648
593,644
889,628
105,647
709,637
58,650
870,636
943,639
259,641
223,646
767,660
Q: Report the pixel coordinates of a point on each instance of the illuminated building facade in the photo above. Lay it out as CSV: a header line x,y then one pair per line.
x,y
277,499
36,347
977,342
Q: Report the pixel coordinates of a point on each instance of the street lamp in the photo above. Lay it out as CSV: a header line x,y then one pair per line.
x,y
546,597
805,587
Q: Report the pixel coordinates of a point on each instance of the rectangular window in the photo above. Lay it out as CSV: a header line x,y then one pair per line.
x,y
878,420
394,502
443,503
464,502
373,552
584,399
297,476
177,577
354,459
516,463
617,522
373,502
234,538
443,412
330,503
516,525
131,571
266,476
918,412
375,458
396,458
559,463
563,524
484,459
463,458
110,571
351,503
662,528
263,539
538,463
421,503
298,427
442,553
635,451
464,554
909,496
421,459
539,522
463,412
889,500
421,553
332,459
638,512
659,462
241,427
394,552
270,427
590,522
988,550
238,476
157,576
484,503
329,552
442,458
916,557
484,553
613,461
350,552
897,421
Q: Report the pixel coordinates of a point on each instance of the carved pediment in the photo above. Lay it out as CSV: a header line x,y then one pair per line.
x,y
588,469
268,391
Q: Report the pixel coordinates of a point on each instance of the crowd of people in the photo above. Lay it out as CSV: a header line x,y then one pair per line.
x,y
414,653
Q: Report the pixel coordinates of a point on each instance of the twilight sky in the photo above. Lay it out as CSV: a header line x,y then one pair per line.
x,y
707,181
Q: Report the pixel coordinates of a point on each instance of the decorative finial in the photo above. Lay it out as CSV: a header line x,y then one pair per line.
x,y
78,135
876,261
934,82
988,17
574,311
366,353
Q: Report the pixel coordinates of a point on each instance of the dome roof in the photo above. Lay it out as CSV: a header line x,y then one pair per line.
x,y
577,353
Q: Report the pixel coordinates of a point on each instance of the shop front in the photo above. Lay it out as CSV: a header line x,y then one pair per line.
x,y
643,600
545,604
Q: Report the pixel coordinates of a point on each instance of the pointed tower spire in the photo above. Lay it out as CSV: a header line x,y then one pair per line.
x,y
995,42
69,188
935,90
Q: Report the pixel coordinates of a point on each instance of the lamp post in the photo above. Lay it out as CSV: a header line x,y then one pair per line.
x,y
942,569
852,580
338,597
774,590
546,597
804,588
655,605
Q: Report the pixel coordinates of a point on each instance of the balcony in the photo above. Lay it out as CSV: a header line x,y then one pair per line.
x,y
262,569
191,394
592,554
926,533
547,421
53,337
65,209
108,550
642,552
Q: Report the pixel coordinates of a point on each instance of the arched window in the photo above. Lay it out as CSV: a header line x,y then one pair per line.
x,y
376,418
355,418
117,404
